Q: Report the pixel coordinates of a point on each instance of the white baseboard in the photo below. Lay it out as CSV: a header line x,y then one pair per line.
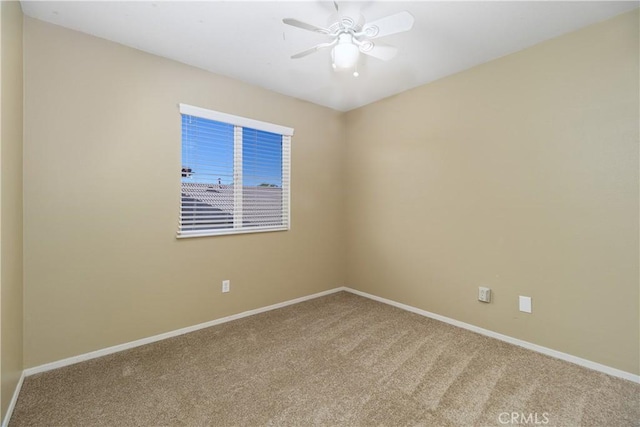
x,y
137,343
525,344
14,399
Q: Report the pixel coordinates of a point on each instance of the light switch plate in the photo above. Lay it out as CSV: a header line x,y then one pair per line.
x,y
525,304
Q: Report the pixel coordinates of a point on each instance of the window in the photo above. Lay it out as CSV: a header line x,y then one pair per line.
x,y
235,174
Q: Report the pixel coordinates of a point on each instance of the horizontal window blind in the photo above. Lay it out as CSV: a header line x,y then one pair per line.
x,y
235,179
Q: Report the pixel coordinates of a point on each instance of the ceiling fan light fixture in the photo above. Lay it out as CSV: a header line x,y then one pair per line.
x,y
351,36
345,55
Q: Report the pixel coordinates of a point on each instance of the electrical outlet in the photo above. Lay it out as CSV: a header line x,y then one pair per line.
x,y
226,285
484,294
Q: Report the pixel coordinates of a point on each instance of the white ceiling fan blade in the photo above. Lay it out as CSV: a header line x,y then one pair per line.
x,y
305,26
380,51
392,24
313,49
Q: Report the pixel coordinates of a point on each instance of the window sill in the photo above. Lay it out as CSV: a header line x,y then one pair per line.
x,y
189,234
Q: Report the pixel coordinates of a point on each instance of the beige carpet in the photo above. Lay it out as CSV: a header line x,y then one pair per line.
x,y
336,360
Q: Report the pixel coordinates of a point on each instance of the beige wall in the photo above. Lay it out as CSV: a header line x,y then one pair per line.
x,y
10,200
521,175
101,192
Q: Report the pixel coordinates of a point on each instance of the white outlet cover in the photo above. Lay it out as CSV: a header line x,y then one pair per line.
x,y
525,304
484,294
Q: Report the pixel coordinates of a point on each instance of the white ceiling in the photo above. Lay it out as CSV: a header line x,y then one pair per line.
x,y
249,42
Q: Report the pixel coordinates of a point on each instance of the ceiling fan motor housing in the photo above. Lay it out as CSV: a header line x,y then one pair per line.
x,y
346,22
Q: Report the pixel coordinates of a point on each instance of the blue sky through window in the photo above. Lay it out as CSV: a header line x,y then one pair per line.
x,y
207,149
261,158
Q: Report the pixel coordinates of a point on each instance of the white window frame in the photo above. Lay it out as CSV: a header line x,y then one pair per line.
x,y
239,123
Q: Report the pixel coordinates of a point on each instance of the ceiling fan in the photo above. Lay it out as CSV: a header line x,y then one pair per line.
x,y
351,36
